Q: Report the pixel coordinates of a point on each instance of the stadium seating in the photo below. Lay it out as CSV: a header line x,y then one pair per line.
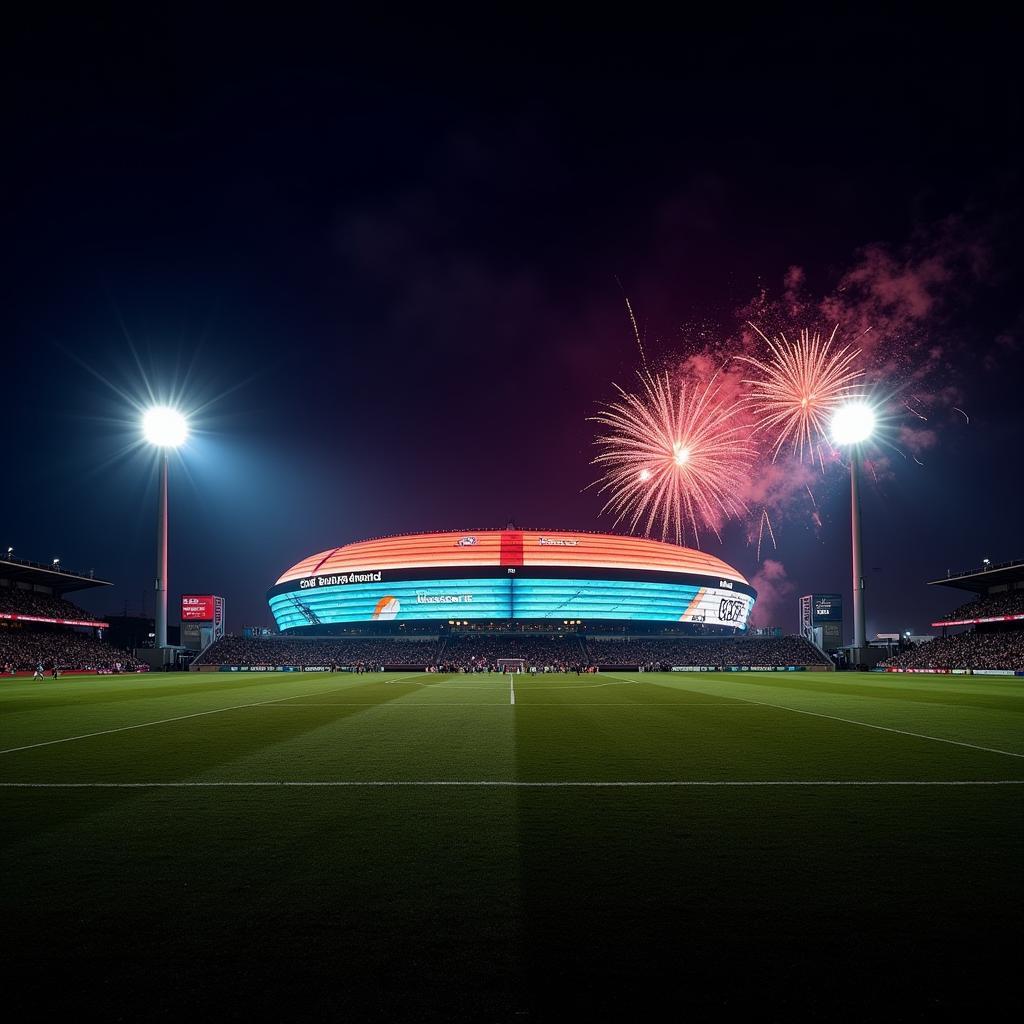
x,y
1010,603
996,650
661,654
364,652
22,650
481,652
14,600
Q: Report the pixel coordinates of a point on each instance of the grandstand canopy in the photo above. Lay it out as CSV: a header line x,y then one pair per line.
x,y
58,581
981,581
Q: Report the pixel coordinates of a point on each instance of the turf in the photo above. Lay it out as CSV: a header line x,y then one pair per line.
x,y
512,902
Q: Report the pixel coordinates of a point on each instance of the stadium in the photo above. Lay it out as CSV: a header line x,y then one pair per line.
x,y
511,576
533,518
512,599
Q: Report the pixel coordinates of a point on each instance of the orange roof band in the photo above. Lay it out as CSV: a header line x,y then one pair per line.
x,y
511,548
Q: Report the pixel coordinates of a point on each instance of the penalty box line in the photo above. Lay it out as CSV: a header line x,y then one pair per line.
x,y
512,784
179,718
881,728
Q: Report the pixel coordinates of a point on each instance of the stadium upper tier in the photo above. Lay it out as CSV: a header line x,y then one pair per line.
x,y
511,574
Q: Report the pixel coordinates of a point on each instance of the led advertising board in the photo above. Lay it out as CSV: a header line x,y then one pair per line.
x,y
197,607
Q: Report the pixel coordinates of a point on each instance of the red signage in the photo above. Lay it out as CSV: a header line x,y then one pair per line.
x,y
197,608
18,617
979,622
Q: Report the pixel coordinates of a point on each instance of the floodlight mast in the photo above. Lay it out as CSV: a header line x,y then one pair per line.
x,y
160,584
859,637
165,428
853,424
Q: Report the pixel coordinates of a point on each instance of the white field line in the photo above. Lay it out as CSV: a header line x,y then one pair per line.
x,y
426,705
511,689
166,721
881,728
506,784
571,686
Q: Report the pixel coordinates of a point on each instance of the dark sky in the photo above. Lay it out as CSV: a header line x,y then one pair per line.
x,y
384,261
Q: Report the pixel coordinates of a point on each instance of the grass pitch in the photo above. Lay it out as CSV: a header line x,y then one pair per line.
x,y
419,847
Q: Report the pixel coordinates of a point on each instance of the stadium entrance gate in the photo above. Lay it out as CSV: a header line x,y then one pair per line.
x,y
512,665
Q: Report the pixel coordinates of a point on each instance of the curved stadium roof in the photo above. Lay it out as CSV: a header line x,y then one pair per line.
x,y
511,548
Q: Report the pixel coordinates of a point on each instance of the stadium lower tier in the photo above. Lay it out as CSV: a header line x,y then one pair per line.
x,y
22,651
983,651
483,652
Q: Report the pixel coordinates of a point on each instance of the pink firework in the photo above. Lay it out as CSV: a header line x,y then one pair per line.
x,y
675,461
797,390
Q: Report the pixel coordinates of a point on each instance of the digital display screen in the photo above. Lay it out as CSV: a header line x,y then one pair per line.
x,y
827,608
509,597
196,608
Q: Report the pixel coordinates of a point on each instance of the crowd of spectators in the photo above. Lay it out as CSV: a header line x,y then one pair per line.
x,y
660,654
480,653
366,653
22,651
1010,603
996,650
15,600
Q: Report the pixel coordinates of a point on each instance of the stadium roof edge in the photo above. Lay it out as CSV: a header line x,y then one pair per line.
x,y
61,581
978,581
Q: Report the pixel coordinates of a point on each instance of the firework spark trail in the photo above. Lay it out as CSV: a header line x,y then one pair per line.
x,y
766,521
674,460
962,413
914,412
797,389
632,320
636,332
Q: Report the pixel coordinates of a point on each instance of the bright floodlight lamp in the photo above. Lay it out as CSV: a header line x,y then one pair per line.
x,y
852,425
165,428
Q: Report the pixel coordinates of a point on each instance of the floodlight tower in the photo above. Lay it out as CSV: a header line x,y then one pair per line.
x,y
852,425
164,428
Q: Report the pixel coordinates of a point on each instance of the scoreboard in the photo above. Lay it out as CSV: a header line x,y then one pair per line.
x,y
821,620
202,620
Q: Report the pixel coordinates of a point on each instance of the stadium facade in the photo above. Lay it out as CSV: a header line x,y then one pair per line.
x,y
508,578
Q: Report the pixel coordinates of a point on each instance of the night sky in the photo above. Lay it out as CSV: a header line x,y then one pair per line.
x,y
388,265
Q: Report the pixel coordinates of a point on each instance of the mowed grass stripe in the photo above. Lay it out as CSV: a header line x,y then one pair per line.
x,y
670,682
166,721
584,743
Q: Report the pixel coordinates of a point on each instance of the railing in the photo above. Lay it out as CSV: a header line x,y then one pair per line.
x,y
51,567
950,575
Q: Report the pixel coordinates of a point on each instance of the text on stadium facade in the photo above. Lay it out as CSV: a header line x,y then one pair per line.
x,y
340,581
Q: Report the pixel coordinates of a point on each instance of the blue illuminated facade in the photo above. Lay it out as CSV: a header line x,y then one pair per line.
x,y
510,597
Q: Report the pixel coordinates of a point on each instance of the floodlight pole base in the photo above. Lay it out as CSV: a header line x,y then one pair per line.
x,y
859,639
160,616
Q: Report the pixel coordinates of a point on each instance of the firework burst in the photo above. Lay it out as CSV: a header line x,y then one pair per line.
x,y
798,388
674,460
